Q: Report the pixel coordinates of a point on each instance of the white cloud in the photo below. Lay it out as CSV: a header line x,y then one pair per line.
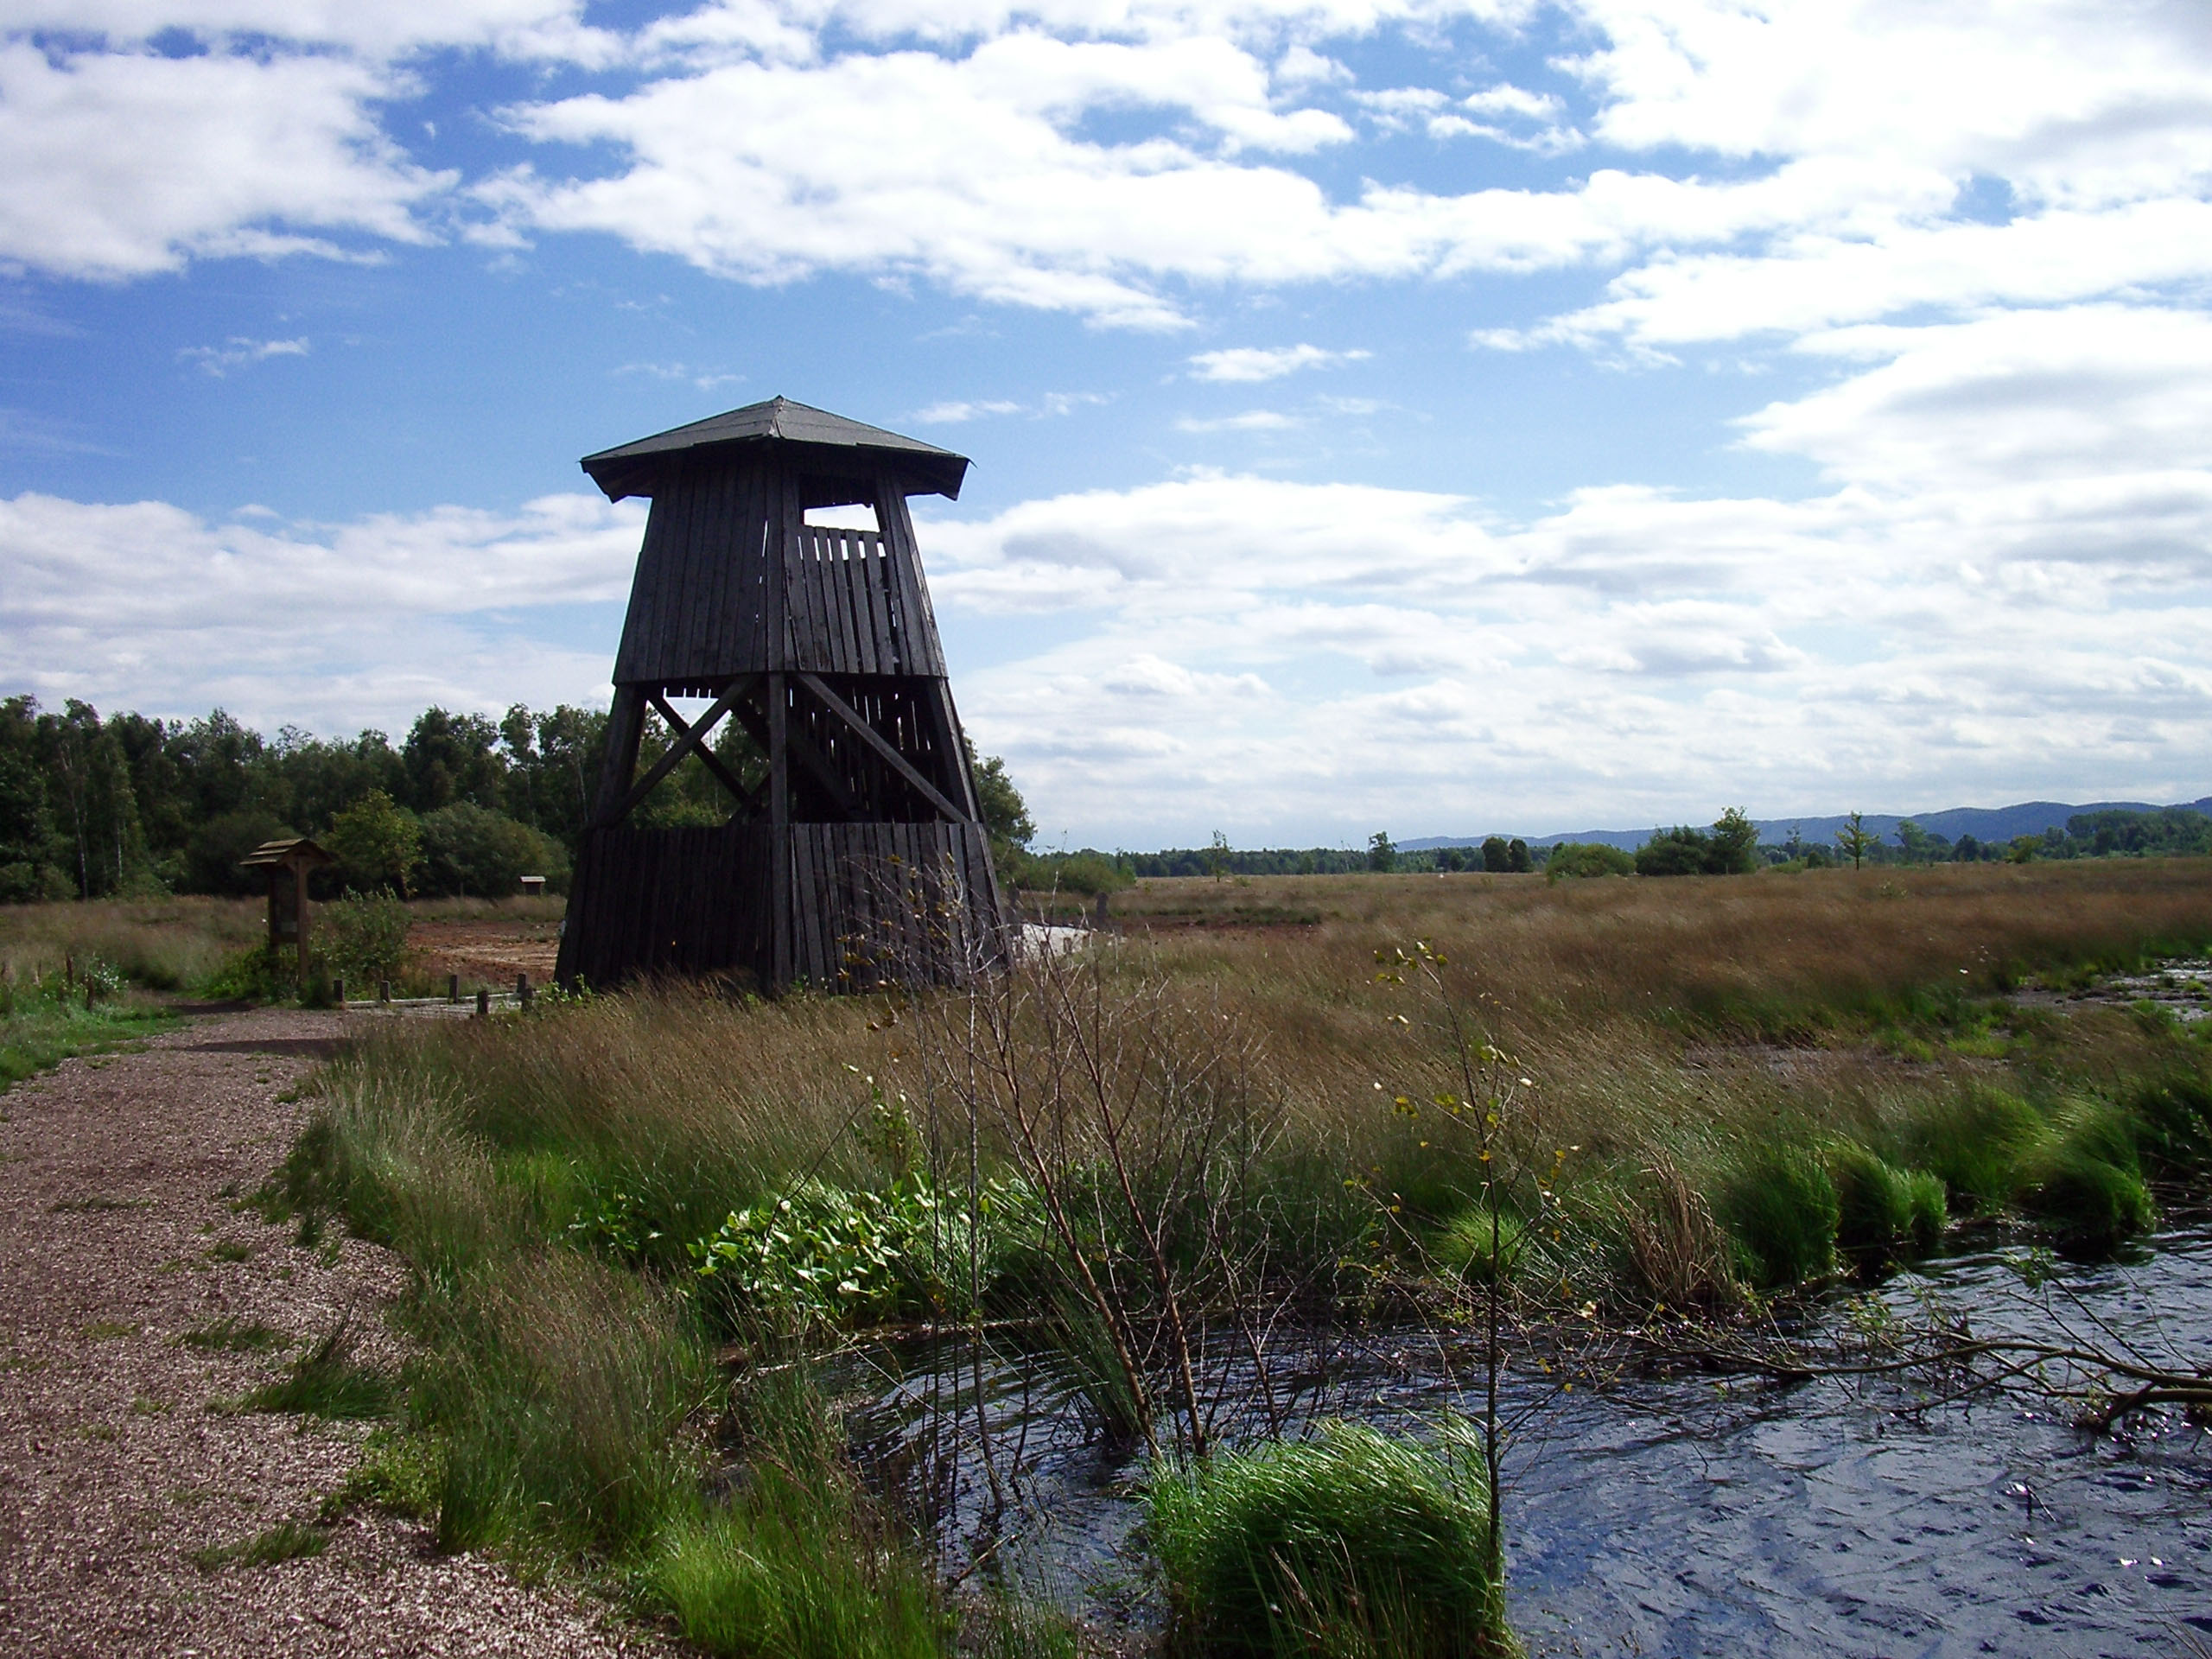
x,y
238,352
1250,363
1252,420
2005,592
145,605
122,164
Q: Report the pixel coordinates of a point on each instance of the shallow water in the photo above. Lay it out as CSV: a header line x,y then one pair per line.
x,y
1693,1517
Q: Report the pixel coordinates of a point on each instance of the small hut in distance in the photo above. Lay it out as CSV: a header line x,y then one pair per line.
x,y
859,853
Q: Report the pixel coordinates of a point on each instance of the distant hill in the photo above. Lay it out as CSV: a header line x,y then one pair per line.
x,y
1988,824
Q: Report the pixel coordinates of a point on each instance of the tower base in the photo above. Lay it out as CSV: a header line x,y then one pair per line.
x,y
839,907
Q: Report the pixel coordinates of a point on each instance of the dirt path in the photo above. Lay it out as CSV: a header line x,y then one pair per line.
x,y
118,1237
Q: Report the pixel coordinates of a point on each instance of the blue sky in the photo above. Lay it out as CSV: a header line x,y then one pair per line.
x,y
1386,414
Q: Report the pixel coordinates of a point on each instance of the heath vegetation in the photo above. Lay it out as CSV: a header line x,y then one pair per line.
x,y
636,1219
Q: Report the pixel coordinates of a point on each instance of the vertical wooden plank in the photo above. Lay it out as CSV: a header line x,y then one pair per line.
x,y
922,653
836,571
779,818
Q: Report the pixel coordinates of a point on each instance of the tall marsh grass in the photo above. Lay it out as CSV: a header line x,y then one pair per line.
x,y
1201,1131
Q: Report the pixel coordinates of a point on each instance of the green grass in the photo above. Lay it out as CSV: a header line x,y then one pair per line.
x,y
1884,1213
43,1025
1781,1210
288,1541
325,1381
1979,1141
400,1471
1351,1543
2086,1183
230,1335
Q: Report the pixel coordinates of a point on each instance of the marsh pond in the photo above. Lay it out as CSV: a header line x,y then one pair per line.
x,y
1695,1514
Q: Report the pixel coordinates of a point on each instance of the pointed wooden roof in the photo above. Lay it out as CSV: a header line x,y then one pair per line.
x,y
293,849
814,439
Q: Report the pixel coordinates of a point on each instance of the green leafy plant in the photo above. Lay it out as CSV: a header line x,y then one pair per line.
x,y
365,938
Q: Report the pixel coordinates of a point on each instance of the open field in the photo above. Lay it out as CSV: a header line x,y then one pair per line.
x,y
1256,1102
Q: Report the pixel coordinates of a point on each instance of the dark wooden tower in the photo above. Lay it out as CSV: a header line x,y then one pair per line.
x,y
858,853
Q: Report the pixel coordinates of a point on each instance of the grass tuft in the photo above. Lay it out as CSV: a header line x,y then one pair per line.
x,y
1979,1141
1781,1210
1349,1543
2086,1186
233,1335
325,1381
1884,1213
288,1541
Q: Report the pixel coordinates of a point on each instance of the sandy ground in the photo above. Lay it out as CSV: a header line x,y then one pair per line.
x,y
487,953
117,1460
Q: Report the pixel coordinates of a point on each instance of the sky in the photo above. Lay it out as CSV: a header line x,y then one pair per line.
x,y
1386,415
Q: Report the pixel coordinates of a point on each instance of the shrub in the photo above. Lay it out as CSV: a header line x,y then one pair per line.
x,y
1587,858
365,938
470,850
1679,851
1350,1543
1781,1212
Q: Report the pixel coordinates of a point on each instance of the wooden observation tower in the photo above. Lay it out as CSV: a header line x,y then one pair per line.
x,y
854,851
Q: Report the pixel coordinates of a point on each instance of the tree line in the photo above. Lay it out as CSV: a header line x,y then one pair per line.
x,y
132,804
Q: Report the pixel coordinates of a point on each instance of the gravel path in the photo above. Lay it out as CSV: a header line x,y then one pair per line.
x,y
118,1236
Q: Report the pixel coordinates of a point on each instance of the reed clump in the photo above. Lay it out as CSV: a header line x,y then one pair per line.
x,y
1351,1542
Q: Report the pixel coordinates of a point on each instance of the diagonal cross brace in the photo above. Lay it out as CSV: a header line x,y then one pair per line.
x,y
689,738
745,798
875,740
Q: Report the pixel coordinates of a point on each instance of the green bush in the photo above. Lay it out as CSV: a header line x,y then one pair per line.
x,y
365,939
472,851
1781,1212
1588,858
1882,1212
1979,1143
1350,1543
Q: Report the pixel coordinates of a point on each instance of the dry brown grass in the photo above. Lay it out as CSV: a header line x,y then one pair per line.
x,y
1667,1026
166,944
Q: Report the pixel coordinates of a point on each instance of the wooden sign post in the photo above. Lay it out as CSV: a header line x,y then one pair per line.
x,y
288,863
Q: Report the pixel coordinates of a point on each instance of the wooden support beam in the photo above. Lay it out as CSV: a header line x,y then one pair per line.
x,y
798,745
713,761
875,740
780,817
691,738
625,722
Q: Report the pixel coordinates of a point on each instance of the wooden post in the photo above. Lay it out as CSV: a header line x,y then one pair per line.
x,y
626,725
300,911
779,828
483,1001
453,988
383,990
522,989
338,994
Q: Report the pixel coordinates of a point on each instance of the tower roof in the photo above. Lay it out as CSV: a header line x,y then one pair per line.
x,y
818,441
